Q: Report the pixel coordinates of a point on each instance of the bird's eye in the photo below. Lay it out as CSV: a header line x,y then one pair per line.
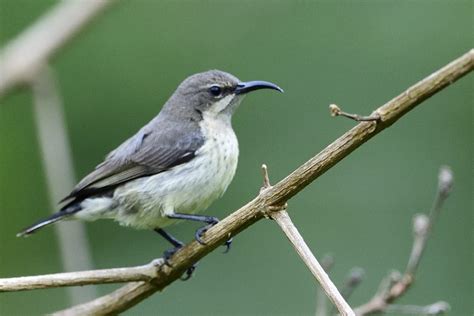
x,y
215,91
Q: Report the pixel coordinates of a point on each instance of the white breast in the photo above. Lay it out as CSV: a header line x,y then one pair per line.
x,y
218,156
222,150
187,188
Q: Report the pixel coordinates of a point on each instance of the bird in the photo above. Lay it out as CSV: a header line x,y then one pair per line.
x,y
173,168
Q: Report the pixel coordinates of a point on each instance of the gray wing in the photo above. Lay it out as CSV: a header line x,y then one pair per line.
x,y
147,153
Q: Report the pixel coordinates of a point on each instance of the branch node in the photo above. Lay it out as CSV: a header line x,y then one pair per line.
x,y
445,181
421,224
158,262
267,185
336,111
387,283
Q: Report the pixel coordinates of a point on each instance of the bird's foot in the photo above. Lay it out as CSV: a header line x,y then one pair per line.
x,y
169,253
227,245
212,221
189,272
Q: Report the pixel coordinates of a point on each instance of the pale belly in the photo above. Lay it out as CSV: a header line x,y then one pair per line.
x,y
187,188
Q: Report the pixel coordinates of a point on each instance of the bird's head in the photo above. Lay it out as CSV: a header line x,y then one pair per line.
x,y
213,93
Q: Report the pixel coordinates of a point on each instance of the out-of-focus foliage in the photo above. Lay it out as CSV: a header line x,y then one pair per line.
x,y
117,74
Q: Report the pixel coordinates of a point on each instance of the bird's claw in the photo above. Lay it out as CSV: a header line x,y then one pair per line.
x,y
189,272
202,230
169,253
227,245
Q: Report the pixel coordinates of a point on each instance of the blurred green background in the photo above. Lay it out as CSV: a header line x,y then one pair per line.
x,y
115,76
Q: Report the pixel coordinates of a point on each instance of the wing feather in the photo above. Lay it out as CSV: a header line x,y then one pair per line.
x,y
146,153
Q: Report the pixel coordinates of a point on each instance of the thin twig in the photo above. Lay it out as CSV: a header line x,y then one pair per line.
x,y
284,221
321,299
281,192
23,57
389,113
291,232
266,178
422,225
353,279
336,111
437,308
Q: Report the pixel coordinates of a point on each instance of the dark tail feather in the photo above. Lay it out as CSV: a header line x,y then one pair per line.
x,y
49,220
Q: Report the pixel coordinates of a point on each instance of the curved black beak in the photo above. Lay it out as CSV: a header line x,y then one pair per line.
x,y
245,87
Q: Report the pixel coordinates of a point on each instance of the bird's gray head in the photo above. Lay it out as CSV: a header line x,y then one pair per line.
x,y
212,93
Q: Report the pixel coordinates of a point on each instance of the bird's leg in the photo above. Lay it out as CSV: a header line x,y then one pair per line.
x,y
170,252
172,240
210,220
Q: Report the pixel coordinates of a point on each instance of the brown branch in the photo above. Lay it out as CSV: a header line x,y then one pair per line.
x,y
281,192
114,303
321,299
398,285
285,223
336,111
23,57
116,275
362,132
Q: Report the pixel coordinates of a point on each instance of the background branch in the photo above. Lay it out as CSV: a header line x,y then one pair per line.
x,y
281,192
432,309
23,58
352,281
395,285
59,174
